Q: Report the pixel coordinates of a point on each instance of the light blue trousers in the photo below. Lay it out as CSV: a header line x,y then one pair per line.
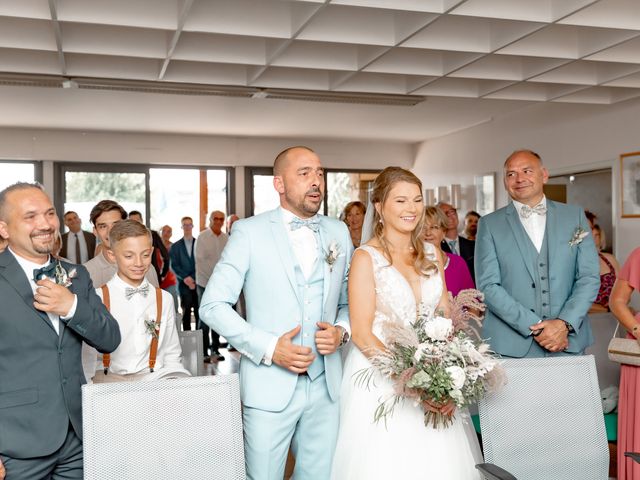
x,y
309,423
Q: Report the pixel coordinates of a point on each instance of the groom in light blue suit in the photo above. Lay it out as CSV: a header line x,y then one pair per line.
x,y
292,265
537,265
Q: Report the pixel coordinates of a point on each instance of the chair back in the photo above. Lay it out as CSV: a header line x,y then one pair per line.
x,y
547,422
192,351
157,429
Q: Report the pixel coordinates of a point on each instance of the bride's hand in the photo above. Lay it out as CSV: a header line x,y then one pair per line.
x,y
446,409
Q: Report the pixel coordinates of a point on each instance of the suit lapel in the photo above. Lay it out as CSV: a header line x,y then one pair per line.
x,y
283,248
11,271
522,239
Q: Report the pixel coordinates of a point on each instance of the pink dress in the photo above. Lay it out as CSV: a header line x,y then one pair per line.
x,y
629,402
456,275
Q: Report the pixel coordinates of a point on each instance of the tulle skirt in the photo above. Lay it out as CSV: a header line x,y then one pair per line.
x,y
401,447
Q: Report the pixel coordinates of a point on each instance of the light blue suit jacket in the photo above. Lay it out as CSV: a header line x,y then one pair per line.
x,y
258,258
505,273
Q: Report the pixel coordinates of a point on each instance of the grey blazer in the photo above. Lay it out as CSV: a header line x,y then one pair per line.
x,y
41,371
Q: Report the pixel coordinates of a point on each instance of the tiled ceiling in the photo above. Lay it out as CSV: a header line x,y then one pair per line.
x,y
579,51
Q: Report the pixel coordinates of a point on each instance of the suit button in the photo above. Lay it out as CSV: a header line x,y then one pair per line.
x,y
60,351
544,304
542,264
64,381
531,309
533,285
543,278
544,291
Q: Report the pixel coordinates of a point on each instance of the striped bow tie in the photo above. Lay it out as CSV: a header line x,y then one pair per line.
x,y
313,223
526,211
143,290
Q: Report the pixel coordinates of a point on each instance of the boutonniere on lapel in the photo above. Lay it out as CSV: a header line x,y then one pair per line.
x,y
151,327
332,254
579,235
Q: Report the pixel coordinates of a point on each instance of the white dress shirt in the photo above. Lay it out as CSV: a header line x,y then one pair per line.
x,y
208,251
28,267
132,355
71,246
454,244
303,242
535,225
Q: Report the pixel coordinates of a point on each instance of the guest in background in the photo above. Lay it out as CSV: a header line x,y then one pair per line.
x,y
209,248
160,260
629,401
471,225
456,272
353,216
165,233
184,265
231,219
101,269
57,247
591,217
454,243
77,245
608,271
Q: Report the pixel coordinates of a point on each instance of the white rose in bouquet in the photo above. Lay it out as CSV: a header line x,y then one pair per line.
x,y
438,328
457,376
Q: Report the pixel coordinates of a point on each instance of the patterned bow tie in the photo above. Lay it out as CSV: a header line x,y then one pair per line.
x,y
526,211
143,290
46,271
313,223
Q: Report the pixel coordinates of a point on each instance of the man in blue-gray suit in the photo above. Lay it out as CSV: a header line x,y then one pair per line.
x,y
537,265
292,264
49,308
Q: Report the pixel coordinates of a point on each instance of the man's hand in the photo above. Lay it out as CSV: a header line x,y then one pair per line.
x,y
294,358
52,298
327,338
553,335
2,471
190,282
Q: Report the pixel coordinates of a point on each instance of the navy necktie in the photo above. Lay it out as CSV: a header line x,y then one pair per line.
x,y
313,223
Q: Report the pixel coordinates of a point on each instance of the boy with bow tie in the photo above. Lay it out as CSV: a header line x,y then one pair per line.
x,y
150,348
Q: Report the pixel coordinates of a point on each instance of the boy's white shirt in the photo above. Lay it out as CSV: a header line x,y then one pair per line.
x,y
132,355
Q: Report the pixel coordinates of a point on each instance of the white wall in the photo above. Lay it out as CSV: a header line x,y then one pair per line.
x,y
570,138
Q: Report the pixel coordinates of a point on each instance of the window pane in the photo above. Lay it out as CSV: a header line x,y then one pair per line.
x,y
11,173
345,187
217,192
84,189
265,196
175,193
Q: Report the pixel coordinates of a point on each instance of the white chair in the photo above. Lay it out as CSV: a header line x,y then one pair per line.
x,y
164,429
192,351
546,423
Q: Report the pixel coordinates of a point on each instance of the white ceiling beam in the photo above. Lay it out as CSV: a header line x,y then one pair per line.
x,y
182,18
58,34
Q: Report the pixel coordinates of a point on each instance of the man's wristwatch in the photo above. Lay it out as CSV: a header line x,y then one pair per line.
x,y
344,338
570,329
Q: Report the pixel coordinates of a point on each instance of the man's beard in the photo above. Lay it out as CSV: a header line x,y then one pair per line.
x,y
43,249
304,205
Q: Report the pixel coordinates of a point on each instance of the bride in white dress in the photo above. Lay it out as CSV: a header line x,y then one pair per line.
x,y
392,277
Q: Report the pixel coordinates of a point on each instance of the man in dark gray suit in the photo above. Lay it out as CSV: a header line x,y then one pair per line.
x,y
48,308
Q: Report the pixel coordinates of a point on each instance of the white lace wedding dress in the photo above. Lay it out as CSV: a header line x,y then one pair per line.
x,y
404,448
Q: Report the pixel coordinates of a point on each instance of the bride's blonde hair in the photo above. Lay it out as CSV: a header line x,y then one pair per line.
x,y
382,185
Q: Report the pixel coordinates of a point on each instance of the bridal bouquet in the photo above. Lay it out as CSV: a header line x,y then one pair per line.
x,y
435,361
